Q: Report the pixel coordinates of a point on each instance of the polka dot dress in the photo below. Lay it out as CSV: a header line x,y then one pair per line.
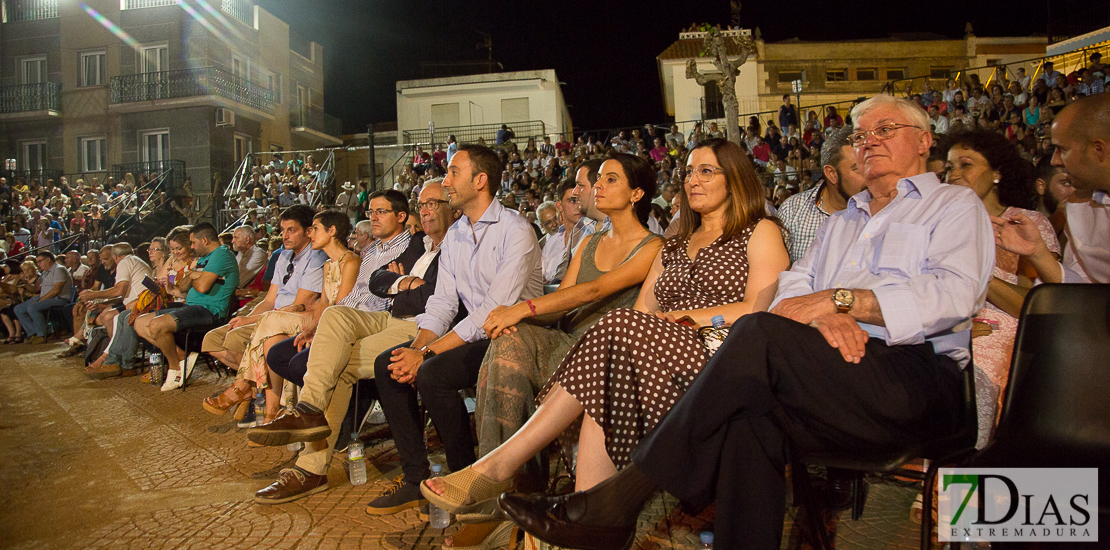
x,y
630,368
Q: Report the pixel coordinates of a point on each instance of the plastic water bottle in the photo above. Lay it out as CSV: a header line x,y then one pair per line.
x,y
356,464
259,408
706,538
438,518
157,369
713,337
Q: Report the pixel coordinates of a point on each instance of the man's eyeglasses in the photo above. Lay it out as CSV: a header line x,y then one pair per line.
x,y
703,173
430,205
882,132
379,212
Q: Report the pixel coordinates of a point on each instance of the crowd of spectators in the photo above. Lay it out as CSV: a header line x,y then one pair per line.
x,y
577,274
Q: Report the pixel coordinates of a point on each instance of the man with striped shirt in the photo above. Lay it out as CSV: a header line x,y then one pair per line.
x,y
804,213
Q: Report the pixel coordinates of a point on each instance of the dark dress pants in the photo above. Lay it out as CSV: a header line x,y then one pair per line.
x,y
290,364
438,382
775,386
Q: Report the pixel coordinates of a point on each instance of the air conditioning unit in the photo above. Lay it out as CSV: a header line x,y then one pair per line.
x,y
225,117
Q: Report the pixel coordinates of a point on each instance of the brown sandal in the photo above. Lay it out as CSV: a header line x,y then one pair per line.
x,y
221,403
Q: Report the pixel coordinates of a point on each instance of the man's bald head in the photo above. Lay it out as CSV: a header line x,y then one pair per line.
x,y
1081,134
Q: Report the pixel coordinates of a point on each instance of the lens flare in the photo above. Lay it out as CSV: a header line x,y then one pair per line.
x,y
215,13
203,22
112,27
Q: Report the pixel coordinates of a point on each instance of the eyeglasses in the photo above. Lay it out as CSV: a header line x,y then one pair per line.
x,y
288,273
882,133
431,204
379,212
703,173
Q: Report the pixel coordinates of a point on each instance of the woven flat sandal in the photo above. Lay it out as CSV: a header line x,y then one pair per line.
x,y
465,488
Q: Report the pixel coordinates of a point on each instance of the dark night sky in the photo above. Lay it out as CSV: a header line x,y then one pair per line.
x,y
603,50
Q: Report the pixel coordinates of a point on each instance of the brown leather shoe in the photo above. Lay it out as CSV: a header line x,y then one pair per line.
x,y
554,521
107,370
302,424
292,483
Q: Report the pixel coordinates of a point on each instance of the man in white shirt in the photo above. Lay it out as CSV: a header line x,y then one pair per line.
x,y
938,123
555,249
1081,134
251,259
130,272
348,202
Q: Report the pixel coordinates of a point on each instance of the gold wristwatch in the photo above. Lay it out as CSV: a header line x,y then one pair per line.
x,y
843,299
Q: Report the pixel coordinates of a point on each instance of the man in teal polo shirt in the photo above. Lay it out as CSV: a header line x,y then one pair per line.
x,y
208,296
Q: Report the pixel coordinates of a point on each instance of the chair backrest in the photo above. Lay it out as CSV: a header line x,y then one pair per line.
x,y
1060,373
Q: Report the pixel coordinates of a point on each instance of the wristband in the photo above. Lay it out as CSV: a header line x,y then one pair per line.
x,y
531,307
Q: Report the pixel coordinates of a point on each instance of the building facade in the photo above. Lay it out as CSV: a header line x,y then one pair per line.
x,y
834,72
530,102
106,86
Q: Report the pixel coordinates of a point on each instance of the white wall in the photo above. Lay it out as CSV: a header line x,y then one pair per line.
x,y
688,93
480,102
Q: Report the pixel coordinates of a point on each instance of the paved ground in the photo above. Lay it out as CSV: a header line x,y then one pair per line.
x,y
119,464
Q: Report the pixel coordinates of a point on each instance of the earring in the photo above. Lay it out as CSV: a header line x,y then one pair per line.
x,y
996,180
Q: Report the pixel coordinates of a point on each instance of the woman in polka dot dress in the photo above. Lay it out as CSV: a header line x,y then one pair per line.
x,y
627,371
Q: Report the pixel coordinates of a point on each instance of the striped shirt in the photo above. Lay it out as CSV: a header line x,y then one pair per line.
x,y
377,255
802,217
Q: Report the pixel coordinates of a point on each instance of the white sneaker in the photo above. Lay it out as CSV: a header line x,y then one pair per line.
x,y
173,380
190,362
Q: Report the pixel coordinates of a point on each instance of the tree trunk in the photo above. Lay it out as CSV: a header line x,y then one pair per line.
x,y
732,114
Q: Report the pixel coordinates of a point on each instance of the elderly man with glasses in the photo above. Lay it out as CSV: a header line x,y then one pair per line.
x,y
862,349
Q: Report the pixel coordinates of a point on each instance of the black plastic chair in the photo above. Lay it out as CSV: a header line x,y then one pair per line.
x,y
1055,412
946,450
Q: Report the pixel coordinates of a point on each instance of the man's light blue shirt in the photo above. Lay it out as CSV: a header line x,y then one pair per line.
x,y
928,256
492,262
308,273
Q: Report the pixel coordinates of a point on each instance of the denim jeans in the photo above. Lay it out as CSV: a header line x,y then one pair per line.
x,y
121,349
32,314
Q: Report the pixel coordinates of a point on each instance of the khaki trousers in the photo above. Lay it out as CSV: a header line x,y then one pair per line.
x,y
343,351
224,337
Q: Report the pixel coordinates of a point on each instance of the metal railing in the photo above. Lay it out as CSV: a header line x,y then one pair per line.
x,y
712,108
391,172
31,97
28,176
315,119
29,10
471,134
191,82
1065,63
175,170
239,9
139,4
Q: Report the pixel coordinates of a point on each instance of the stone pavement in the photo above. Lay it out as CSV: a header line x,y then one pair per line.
x,y
119,464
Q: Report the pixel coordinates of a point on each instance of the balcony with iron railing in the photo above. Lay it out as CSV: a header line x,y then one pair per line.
x,y
185,83
242,10
316,120
28,10
44,97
